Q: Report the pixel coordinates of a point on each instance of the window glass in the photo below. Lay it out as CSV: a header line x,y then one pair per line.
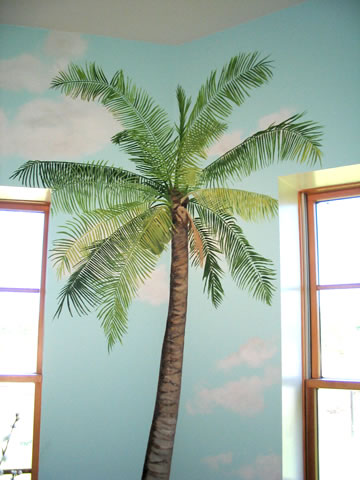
x,y
339,434
340,333
21,248
17,398
338,230
18,332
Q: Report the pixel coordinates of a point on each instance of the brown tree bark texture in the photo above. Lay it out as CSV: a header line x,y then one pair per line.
x,y
162,433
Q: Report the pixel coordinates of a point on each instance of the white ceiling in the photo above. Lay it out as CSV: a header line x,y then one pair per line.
x,y
159,21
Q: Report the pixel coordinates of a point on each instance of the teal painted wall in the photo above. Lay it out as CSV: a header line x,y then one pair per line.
x,y
97,407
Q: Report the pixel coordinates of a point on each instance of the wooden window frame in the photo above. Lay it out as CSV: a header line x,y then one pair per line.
x,y
312,380
37,377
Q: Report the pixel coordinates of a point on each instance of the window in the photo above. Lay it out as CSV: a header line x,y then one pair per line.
x,y
23,246
331,313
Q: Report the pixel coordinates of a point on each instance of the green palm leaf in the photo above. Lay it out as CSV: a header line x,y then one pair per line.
x,y
216,98
133,107
86,186
288,140
140,152
215,102
97,266
184,105
212,273
109,276
243,73
157,229
249,205
138,261
194,151
249,270
87,229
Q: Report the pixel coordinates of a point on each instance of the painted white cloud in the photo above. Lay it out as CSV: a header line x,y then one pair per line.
x,y
47,130
275,117
253,353
214,462
25,72
64,45
156,289
244,396
226,142
265,467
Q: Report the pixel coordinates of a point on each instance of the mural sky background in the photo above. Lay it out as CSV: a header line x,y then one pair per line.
x,y
97,408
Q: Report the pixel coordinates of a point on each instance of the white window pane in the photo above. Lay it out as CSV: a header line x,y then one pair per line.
x,y
339,434
340,333
17,398
21,243
338,229
18,332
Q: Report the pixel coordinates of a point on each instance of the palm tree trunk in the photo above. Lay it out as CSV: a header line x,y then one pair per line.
x,y
162,433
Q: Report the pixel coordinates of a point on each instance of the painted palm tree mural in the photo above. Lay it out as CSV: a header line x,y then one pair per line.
x,y
123,220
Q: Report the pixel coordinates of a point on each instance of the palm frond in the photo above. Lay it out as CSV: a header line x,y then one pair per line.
x,y
109,276
206,123
288,140
197,247
217,97
243,73
200,137
248,205
87,229
184,105
158,230
249,270
140,152
97,265
133,107
188,178
81,291
212,272
139,259
87,186
194,148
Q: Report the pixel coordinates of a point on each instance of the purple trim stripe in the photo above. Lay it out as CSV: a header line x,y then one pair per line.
x,y
20,290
